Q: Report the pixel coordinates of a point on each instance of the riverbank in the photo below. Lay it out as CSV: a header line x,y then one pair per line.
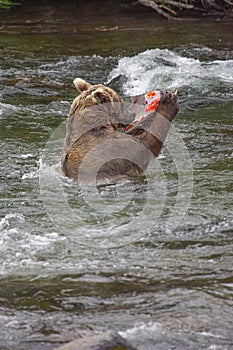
x,y
77,27
72,17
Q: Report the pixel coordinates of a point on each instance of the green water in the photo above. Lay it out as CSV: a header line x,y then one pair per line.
x,y
68,270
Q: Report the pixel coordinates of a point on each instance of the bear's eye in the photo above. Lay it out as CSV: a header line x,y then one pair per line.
x,y
102,97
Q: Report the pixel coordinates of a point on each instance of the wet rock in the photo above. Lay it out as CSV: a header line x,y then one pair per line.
x,y
106,341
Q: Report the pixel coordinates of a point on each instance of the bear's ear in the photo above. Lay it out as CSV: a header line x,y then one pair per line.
x,y
81,85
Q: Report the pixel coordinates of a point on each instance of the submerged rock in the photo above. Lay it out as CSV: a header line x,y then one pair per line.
x,y
106,341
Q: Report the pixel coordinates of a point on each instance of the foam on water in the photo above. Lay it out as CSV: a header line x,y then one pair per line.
x,y
6,109
30,175
140,329
155,335
166,69
20,249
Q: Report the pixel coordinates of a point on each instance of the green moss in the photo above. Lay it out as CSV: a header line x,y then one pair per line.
x,y
7,4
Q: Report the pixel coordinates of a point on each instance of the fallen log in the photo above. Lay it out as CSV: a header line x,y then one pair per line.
x,y
166,8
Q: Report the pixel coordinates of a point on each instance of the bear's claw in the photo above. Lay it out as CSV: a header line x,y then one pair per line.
x,y
168,106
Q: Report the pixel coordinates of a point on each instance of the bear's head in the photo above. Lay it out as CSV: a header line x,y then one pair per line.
x,y
102,98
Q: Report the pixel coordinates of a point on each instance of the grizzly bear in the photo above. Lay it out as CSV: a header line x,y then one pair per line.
x,y
96,149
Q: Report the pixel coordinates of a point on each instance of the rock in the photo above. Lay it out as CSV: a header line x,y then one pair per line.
x,y
106,341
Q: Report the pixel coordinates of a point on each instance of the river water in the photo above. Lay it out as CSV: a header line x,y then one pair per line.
x,y
153,258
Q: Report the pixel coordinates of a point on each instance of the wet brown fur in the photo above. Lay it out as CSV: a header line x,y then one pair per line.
x,y
93,136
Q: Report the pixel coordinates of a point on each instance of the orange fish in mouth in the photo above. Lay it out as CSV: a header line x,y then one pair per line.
x,y
152,99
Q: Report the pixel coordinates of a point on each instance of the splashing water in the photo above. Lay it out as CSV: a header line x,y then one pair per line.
x,y
166,69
